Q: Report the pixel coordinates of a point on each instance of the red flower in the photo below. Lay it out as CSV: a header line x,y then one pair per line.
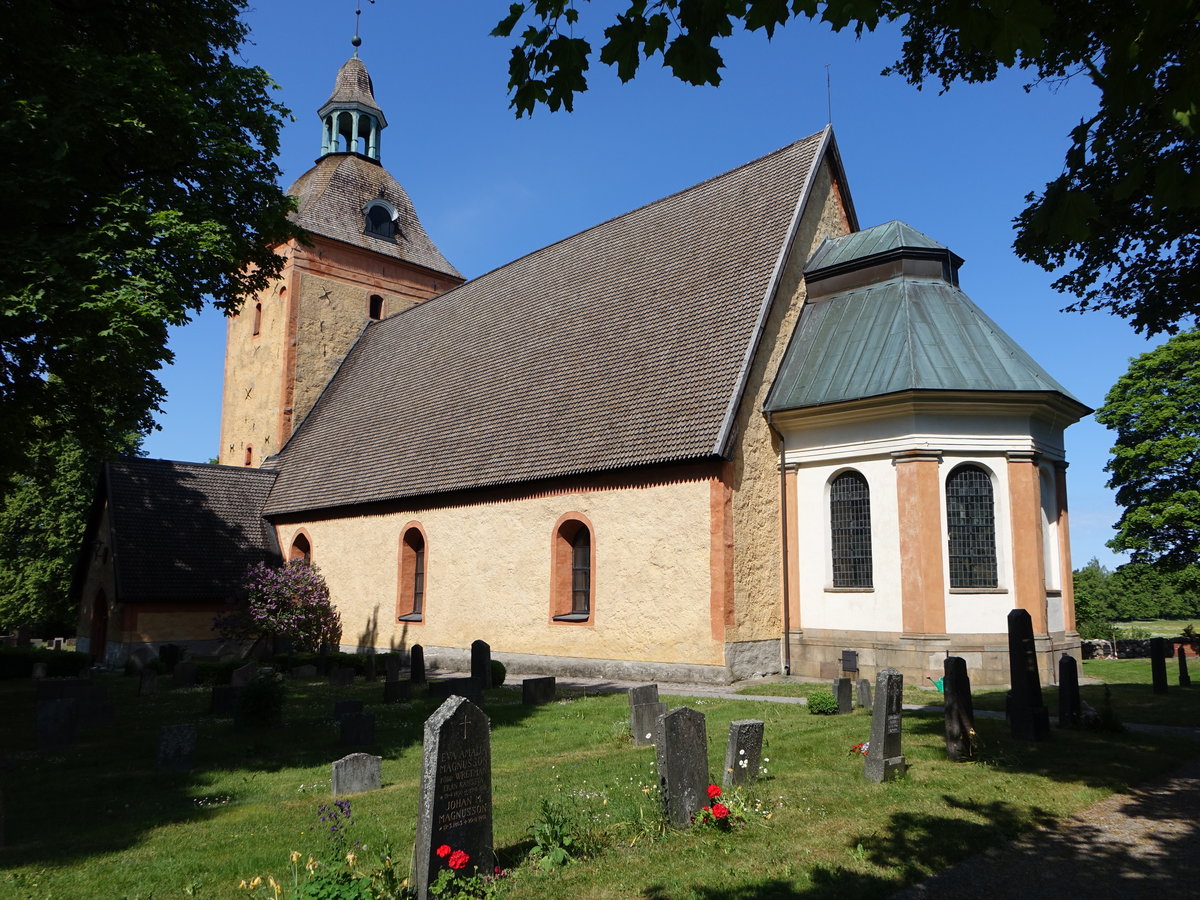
x,y
458,859
714,791
720,811
443,851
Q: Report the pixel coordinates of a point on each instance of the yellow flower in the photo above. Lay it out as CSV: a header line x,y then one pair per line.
x,y
311,865
256,882
351,859
295,857
243,885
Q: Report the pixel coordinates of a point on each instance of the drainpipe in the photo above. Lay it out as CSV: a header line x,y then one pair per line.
x,y
783,510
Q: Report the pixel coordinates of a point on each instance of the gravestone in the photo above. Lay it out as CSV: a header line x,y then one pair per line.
x,y
342,708
884,759
177,747
147,682
1028,718
468,688
481,663
224,700
397,691
357,729
391,667
743,752
960,710
1185,679
58,644
371,669
170,655
1158,664
244,675
341,676
304,673
864,693
643,720
39,671
1070,706
185,674
681,741
57,722
643,693
844,692
416,664
356,773
24,634
538,691
455,804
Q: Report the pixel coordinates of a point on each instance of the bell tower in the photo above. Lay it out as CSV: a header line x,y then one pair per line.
x,y
368,258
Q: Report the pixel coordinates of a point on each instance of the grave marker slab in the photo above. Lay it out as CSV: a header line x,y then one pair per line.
x,y
24,635
147,682
341,676
455,804
170,655
843,691
185,674
1028,718
481,663
416,664
342,708
884,759
391,667
358,729
304,673
1070,705
1158,664
643,720
538,691
356,773
177,747
397,691
743,753
460,687
57,722
642,694
681,741
960,710
864,693
1185,679
244,675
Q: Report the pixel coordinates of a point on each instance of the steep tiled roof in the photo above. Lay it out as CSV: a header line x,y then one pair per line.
x,y
904,333
619,346
353,87
331,196
185,531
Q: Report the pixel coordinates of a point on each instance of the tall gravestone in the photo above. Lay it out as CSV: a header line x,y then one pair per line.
x,y
356,773
1028,718
681,741
843,691
455,804
1158,665
1070,704
743,753
177,747
884,759
391,667
960,710
644,710
416,664
864,693
1185,679
481,663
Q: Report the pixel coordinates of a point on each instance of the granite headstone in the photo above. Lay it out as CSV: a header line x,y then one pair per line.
x,y
843,691
884,758
177,747
1028,718
959,708
481,663
1158,665
416,664
743,753
681,742
1070,705
538,691
356,773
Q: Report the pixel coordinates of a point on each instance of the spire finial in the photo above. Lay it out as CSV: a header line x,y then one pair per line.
x,y
356,41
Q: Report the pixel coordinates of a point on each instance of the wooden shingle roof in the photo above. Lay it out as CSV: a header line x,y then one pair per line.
x,y
620,346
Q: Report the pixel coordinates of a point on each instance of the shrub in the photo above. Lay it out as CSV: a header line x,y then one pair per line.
x,y
17,662
822,703
498,673
290,601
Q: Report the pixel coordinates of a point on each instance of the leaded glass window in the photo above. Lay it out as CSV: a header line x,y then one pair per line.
x,y
850,530
971,528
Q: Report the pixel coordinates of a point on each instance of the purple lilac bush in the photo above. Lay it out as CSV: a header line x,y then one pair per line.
x,y
290,601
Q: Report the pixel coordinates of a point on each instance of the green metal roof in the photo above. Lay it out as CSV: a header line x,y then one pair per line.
x,y
899,335
860,245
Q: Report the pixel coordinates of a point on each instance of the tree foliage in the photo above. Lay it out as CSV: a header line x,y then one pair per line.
x,y
1121,218
42,519
289,601
1154,408
136,154
1133,591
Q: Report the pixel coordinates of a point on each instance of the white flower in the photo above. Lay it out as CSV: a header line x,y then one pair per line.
x,y
743,763
647,735
741,753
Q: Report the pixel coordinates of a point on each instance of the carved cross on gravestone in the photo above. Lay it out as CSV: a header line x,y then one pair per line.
x,y
455,804
681,740
884,759
960,710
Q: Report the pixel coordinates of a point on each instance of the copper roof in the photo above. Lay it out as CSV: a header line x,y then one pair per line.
x,y
353,87
331,196
620,346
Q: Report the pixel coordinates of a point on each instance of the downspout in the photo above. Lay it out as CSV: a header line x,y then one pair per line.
x,y
783,519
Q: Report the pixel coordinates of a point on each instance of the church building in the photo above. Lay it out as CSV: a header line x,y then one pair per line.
x,y
730,433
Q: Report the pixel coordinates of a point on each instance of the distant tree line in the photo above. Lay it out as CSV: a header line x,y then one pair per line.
x,y
1133,591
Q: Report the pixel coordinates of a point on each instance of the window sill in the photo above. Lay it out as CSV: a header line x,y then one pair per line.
x,y
573,617
410,617
830,589
995,590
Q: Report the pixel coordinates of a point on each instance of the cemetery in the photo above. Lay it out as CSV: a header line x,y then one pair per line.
x,y
446,788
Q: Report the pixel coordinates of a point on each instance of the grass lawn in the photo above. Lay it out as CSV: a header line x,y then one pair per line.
x,y
1155,627
98,821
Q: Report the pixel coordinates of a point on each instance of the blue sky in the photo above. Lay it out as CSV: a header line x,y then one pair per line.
x,y
489,187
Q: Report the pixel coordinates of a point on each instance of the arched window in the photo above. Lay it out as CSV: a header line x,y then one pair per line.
x,y
971,528
380,220
375,307
850,531
410,600
301,548
571,576
249,455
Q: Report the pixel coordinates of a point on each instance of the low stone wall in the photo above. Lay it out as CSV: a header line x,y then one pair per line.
x,y
1132,648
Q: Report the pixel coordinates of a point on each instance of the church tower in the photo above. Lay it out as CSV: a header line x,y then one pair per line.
x,y
367,257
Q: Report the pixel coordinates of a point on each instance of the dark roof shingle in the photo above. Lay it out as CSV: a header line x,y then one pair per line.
x,y
619,346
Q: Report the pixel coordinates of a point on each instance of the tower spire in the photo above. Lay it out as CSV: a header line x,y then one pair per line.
x,y
356,41
351,120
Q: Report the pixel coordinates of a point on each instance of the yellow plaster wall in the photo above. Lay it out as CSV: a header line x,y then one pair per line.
x,y
758,563
488,575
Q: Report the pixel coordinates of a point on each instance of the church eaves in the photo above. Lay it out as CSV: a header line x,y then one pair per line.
x,y
620,346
